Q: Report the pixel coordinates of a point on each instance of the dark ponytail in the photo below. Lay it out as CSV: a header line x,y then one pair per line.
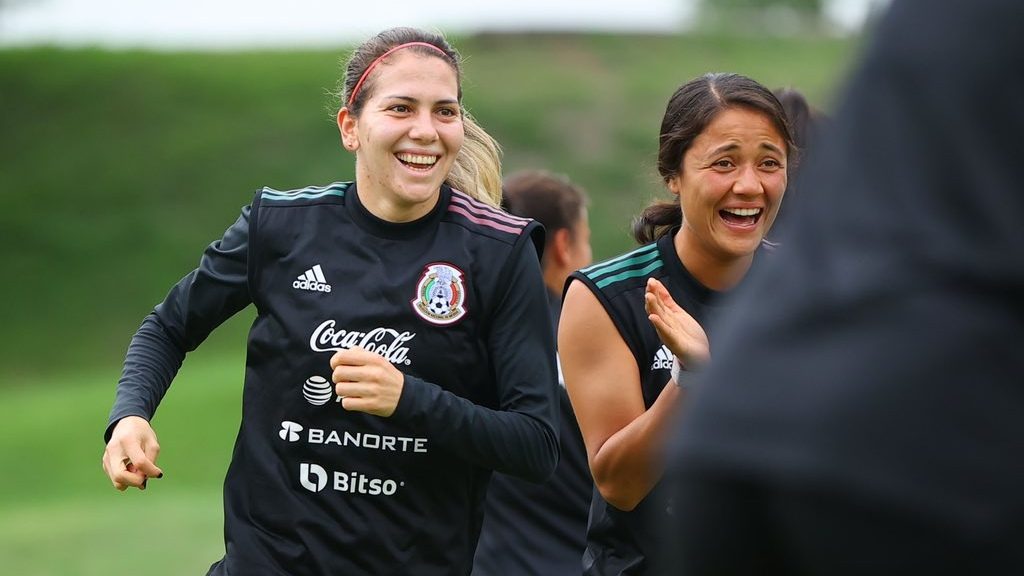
x,y
656,220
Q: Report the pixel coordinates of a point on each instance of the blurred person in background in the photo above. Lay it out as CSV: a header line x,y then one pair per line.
x,y
802,118
633,326
534,528
426,308
805,123
870,420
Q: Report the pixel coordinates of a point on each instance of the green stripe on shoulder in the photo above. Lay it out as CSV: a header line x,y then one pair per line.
x,y
307,193
630,274
637,257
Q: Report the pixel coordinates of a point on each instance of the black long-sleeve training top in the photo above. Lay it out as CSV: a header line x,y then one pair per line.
x,y
454,300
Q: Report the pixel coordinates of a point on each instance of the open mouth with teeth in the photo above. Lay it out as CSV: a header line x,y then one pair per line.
x,y
422,162
742,217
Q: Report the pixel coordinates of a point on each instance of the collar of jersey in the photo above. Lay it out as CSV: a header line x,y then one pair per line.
x,y
693,289
395,230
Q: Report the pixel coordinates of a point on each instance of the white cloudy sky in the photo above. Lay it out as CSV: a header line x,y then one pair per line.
x,y
282,23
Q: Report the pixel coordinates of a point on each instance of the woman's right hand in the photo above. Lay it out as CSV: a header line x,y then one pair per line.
x,y
130,456
366,382
676,328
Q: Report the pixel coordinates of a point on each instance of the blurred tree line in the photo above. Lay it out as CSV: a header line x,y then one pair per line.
x,y
775,17
118,167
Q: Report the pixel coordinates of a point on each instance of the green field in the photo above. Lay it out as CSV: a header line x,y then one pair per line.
x,y
59,514
117,168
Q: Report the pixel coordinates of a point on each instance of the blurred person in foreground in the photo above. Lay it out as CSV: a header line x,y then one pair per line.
x,y
534,528
633,326
870,420
402,348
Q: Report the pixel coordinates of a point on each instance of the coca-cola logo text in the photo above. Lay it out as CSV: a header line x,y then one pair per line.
x,y
385,342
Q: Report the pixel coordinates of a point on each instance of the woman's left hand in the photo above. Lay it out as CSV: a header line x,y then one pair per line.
x,y
676,328
366,382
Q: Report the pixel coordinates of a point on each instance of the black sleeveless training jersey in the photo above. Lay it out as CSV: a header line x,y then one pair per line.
x,y
532,528
454,300
620,542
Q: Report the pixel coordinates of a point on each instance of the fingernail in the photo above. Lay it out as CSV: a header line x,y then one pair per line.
x,y
160,475
144,483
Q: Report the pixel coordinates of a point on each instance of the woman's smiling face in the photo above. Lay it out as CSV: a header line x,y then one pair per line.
x,y
731,182
406,136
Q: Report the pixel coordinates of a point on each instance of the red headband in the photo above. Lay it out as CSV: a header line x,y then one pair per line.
x,y
355,91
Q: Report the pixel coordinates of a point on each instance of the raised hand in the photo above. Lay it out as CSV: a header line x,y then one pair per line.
x,y
676,328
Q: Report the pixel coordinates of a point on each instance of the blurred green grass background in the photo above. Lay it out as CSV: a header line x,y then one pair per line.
x,y
116,170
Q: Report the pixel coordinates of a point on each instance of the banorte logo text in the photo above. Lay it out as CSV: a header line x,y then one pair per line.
x,y
386,342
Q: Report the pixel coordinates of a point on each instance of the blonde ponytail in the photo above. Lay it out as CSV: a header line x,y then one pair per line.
x,y
477,167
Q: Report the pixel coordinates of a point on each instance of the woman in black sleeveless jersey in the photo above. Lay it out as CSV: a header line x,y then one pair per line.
x,y
633,326
402,348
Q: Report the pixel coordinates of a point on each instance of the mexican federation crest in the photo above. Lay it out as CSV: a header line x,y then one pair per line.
x,y
440,294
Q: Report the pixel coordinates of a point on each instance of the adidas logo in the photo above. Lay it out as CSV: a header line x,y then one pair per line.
x,y
662,359
312,280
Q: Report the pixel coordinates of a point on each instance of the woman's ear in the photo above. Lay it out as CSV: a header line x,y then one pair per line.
x,y
673,185
347,124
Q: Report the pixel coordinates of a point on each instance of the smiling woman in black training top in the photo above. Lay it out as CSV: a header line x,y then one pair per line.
x,y
423,304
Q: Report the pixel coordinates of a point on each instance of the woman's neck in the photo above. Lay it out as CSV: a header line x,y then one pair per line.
x,y
715,270
388,205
